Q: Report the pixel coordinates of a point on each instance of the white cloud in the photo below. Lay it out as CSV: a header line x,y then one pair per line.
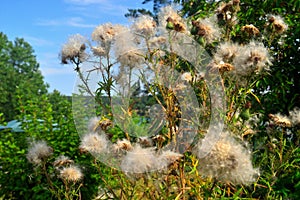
x,y
52,22
36,41
106,7
62,70
78,22
73,22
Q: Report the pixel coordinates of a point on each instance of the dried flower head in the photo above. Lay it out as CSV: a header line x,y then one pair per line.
x,y
156,42
295,116
251,30
144,25
96,124
71,173
226,52
169,18
159,138
145,141
105,33
127,51
139,160
166,158
281,120
105,123
228,161
62,161
253,57
225,67
74,49
225,7
277,24
122,145
94,143
226,10
247,130
38,151
99,51
187,76
132,58
207,28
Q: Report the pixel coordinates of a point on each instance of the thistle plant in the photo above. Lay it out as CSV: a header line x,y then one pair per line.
x,y
175,150
63,168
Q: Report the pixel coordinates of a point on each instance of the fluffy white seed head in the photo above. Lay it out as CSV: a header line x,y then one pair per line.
x,y
105,33
127,51
166,158
144,25
71,173
281,120
62,160
122,145
38,151
187,76
99,51
228,161
208,29
74,48
295,116
94,143
226,52
277,24
252,58
104,36
139,160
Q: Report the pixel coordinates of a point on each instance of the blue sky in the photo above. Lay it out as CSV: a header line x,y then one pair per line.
x,y
47,24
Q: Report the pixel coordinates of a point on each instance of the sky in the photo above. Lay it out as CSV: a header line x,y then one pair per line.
x,y
47,24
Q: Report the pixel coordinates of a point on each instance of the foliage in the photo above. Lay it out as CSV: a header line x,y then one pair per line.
x,y
19,74
283,82
20,179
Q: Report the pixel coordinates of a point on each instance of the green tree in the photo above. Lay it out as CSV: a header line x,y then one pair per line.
x,y
60,104
19,74
278,92
157,4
